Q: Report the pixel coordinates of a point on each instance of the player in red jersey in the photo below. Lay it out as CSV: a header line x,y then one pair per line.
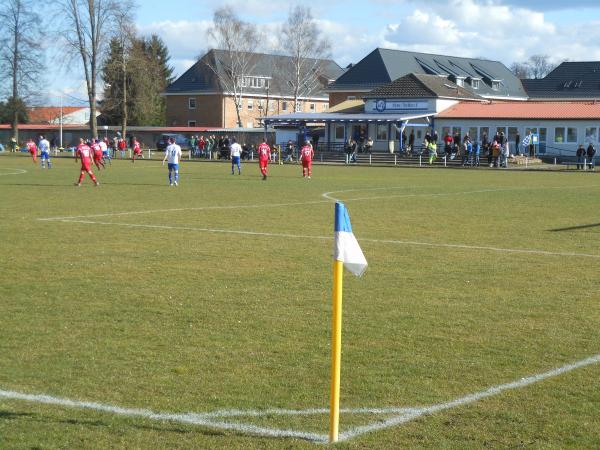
x,y
84,152
137,150
306,155
264,155
97,152
32,149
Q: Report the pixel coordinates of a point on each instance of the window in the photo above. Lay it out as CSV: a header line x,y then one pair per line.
x,y
249,124
495,85
191,103
473,134
255,82
298,106
351,97
191,123
484,131
591,134
460,81
445,131
419,135
559,135
325,107
572,135
312,107
382,132
250,104
512,134
339,132
271,105
284,106
475,84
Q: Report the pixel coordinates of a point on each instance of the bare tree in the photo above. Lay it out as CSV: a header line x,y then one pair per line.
x,y
237,41
88,26
21,61
520,70
303,43
537,66
540,66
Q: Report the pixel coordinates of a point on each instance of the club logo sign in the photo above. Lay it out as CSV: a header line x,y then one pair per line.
x,y
380,105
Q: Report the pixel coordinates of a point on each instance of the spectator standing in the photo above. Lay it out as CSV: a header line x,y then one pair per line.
x,y
411,141
591,153
448,142
201,144
495,153
581,154
476,153
517,144
432,150
369,145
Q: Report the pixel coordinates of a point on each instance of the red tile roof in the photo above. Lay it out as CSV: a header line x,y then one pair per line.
x,y
523,110
46,114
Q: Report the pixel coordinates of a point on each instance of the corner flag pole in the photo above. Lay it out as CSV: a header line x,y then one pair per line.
x,y
346,253
336,351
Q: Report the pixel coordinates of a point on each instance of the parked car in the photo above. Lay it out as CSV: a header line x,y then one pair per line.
x,y
180,140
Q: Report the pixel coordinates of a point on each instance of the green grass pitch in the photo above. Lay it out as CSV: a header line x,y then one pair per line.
x,y
216,295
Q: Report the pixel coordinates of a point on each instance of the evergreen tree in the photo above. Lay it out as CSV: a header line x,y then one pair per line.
x,y
148,74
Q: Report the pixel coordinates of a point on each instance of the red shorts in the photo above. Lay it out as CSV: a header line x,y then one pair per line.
x,y
138,152
306,163
263,162
85,165
98,156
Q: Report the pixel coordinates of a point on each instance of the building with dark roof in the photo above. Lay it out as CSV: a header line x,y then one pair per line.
x,y
487,79
200,97
568,81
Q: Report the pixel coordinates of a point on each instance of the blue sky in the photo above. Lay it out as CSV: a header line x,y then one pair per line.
x,y
504,30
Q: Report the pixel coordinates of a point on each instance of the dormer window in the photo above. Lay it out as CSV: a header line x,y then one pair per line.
x,y
475,83
460,81
495,85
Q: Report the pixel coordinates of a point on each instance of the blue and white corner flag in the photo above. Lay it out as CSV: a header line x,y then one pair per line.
x,y
346,248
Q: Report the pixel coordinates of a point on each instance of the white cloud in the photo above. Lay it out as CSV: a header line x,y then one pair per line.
x,y
491,30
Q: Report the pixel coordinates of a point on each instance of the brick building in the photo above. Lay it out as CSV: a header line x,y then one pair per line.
x,y
199,97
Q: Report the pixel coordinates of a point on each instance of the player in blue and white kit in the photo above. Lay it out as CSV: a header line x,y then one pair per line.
x,y
105,153
236,153
173,155
44,147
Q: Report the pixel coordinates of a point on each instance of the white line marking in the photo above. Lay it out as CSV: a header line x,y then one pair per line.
x,y
329,238
467,399
203,419
328,195
20,171
199,208
328,198
188,418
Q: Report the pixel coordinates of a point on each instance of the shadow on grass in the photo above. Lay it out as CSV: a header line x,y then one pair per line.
x,y
576,227
7,415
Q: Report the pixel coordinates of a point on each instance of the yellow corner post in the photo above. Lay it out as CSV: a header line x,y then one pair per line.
x,y
336,351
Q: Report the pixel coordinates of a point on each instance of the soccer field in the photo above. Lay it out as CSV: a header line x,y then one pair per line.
x,y
199,316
